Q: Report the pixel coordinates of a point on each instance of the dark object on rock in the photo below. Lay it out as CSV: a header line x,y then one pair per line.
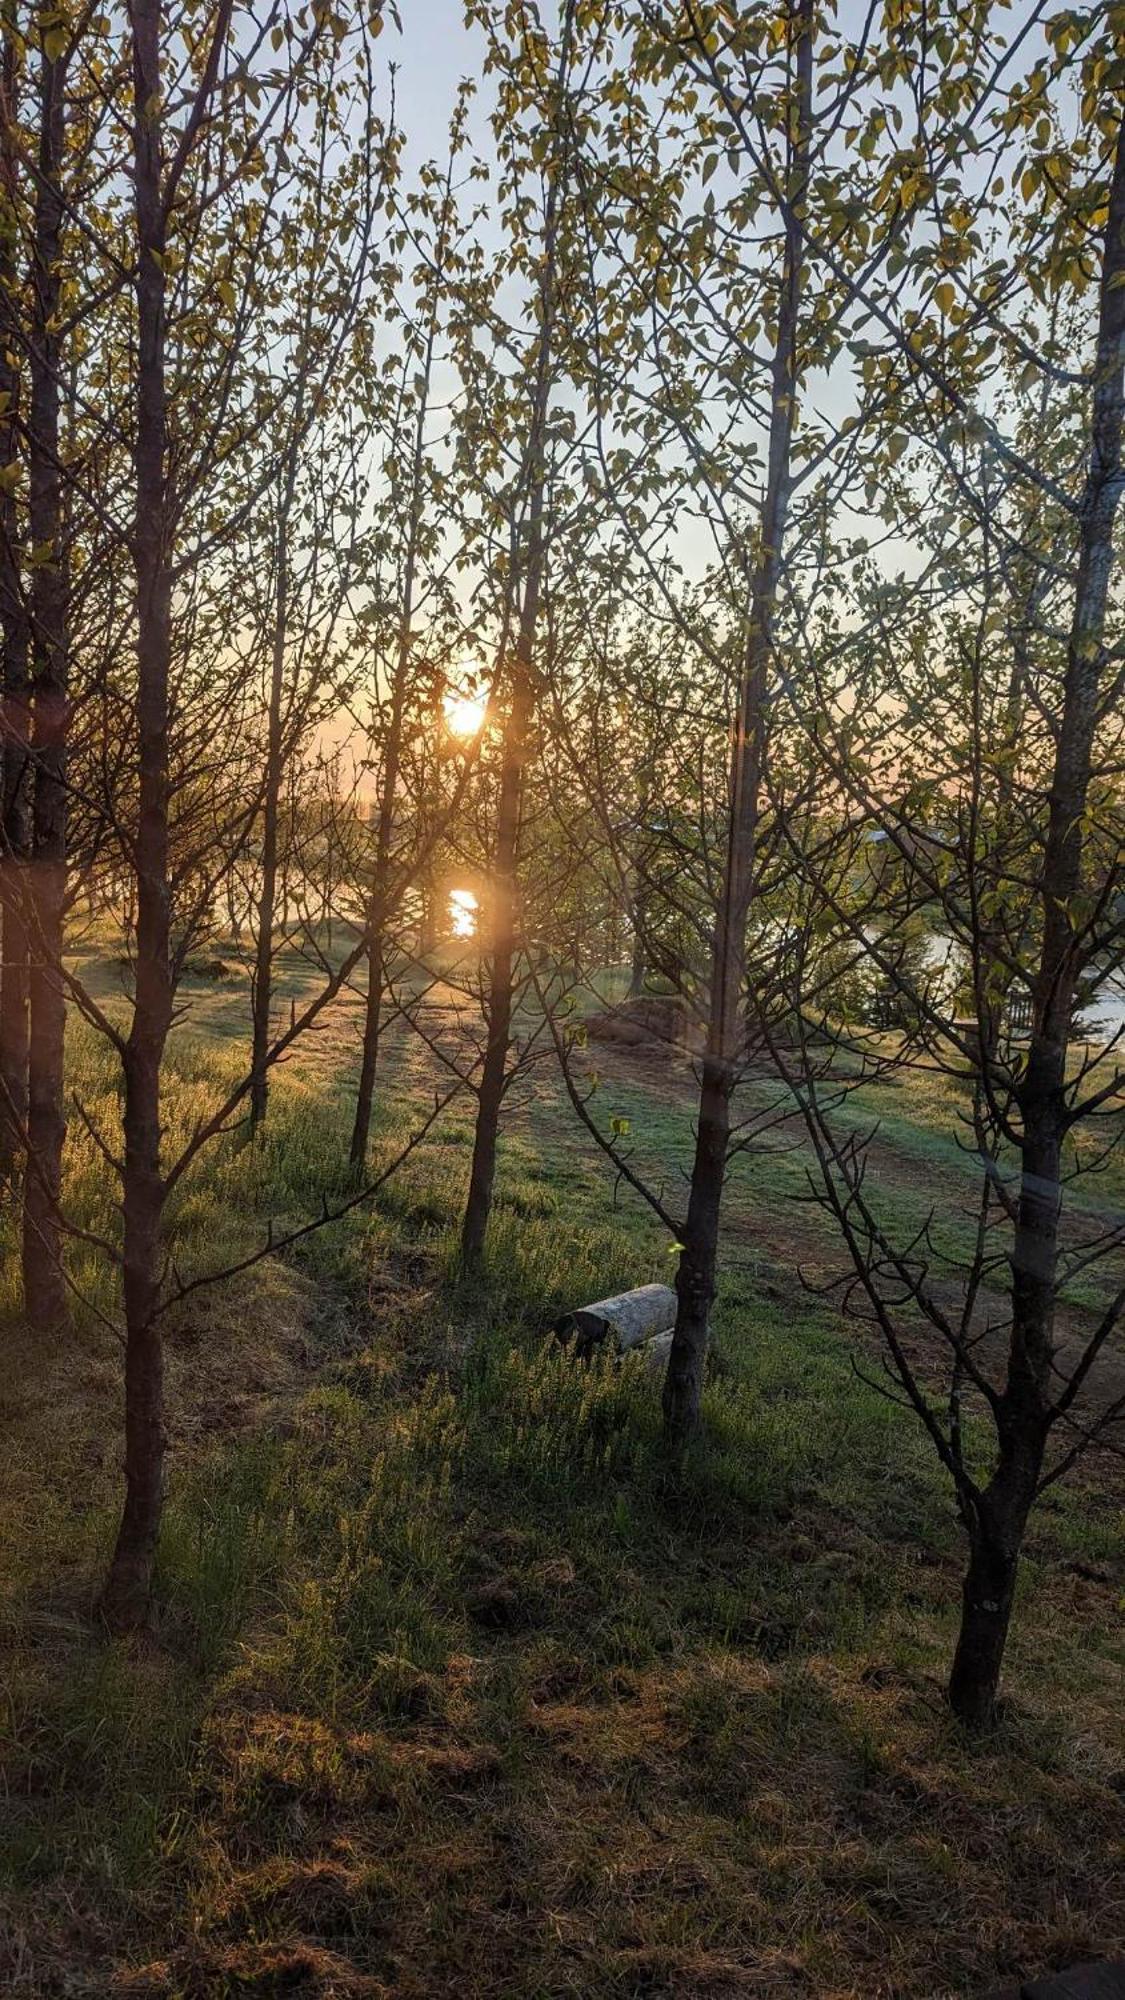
x,y
626,1320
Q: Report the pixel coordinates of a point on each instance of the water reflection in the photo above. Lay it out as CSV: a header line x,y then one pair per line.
x,y
462,913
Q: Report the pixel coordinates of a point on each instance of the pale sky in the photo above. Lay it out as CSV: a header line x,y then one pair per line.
x,y
434,51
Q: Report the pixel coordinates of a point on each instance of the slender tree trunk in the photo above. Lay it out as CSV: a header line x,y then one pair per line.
x,y
996,1531
234,917
14,775
1025,1415
638,895
369,1057
504,923
427,920
504,912
695,1274
377,916
695,1277
128,1586
271,805
638,967
15,975
262,990
377,912
44,1283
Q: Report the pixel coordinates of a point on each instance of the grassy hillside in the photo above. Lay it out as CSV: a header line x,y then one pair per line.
x,y
453,1688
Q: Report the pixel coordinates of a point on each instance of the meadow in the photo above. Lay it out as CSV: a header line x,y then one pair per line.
x,y
453,1687
512,510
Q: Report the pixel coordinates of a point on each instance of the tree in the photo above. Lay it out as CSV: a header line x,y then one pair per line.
x,y
695,1276
418,566
547,97
180,190
989,768
44,1281
677,324
319,305
14,791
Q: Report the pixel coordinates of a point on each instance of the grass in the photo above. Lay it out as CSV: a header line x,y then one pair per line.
x,y
454,1688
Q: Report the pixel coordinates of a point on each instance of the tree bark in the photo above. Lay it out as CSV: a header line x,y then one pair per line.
x,y
987,1594
369,1054
129,1583
15,826
262,996
504,920
638,966
377,915
696,1273
996,1531
44,1282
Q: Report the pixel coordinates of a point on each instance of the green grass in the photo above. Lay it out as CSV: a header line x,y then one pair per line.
x,y
454,1687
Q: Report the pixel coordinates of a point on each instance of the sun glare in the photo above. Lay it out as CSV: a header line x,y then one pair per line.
x,y
462,913
464,714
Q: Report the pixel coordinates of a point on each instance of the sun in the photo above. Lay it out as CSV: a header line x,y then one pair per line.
x,y
464,714
463,913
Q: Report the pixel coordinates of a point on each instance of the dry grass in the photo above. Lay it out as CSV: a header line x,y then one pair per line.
x,y
615,1746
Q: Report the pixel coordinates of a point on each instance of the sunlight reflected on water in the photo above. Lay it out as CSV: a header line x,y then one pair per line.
x,y
462,913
